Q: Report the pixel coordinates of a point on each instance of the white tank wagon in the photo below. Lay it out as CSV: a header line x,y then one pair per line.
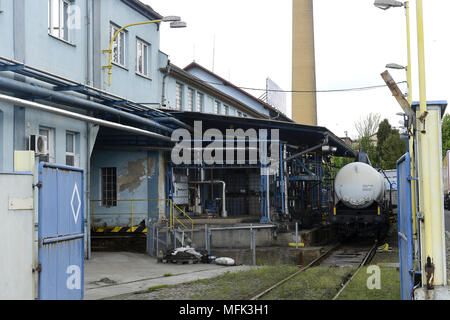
x,y
360,205
359,185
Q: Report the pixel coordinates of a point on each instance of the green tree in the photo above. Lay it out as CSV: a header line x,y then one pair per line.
x,y
391,150
445,134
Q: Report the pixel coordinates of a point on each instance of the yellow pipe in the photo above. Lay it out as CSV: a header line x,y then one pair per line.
x,y
429,172
109,66
411,140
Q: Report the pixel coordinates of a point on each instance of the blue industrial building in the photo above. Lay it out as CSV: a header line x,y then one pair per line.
x,y
56,100
55,56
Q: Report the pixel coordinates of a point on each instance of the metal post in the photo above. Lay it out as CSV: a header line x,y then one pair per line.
x,y
206,237
253,244
174,238
157,239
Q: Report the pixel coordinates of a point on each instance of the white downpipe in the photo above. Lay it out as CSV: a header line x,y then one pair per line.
x,y
224,211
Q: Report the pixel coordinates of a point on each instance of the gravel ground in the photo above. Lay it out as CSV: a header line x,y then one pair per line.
x,y
178,292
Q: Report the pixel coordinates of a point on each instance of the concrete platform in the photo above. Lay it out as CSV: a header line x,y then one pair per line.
x,y
110,274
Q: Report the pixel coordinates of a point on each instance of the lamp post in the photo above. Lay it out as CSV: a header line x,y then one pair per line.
x,y
384,5
431,226
175,22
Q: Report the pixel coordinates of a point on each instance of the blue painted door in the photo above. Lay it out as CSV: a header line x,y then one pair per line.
x,y
404,217
61,233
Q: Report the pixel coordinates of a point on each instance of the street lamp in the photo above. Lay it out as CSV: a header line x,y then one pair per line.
x,y
386,4
396,66
175,22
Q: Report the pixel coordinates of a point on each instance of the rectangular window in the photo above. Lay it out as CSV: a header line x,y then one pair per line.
x,y
58,16
190,100
226,110
142,51
109,187
49,155
118,48
199,105
179,98
71,156
239,114
216,107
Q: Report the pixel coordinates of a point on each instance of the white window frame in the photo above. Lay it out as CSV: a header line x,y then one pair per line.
x,y
119,42
225,110
63,33
216,107
199,102
108,201
190,99
50,134
145,57
239,114
74,152
179,96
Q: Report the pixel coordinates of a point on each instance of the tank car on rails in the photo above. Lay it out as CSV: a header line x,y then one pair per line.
x,y
362,205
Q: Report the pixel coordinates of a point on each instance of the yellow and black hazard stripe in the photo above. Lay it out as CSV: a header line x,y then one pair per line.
x,y
138,229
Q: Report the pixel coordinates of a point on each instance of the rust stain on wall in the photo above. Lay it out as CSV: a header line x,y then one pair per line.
x,y
136,173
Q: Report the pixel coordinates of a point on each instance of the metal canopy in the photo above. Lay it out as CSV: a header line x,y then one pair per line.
x,y
289,132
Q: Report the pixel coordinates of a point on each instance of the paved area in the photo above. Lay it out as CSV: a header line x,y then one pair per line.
x,y
110,274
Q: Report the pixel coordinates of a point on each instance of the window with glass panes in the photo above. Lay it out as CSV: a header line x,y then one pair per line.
x,y
179,97
58,16
142,52
109,187
118,48
70,149
190,101
199,104
216,107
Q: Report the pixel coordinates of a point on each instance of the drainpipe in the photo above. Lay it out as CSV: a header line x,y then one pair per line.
x,y
163,94
224,211
73,101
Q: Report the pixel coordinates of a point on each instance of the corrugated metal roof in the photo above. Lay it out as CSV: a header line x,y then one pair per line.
x,y
290,132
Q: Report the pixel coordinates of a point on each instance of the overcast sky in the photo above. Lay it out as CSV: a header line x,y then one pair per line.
x,y
353,42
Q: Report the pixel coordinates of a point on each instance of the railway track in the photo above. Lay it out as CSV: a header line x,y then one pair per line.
x,y
337,256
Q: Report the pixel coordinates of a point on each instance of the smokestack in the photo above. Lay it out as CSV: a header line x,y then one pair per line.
x,y
304,105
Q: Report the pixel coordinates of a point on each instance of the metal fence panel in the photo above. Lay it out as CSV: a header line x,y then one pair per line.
x,y
61,233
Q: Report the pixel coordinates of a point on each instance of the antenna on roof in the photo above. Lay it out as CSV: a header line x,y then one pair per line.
x,y
214,52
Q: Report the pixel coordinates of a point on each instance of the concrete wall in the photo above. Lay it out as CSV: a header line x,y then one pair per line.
x,y
17,280
6,23
125,81
140,177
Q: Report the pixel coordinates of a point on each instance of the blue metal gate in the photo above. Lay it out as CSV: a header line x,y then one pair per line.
x,y
61,232
404,217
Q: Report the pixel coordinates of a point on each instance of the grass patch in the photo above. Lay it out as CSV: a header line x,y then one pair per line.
x,y
151,289
318,283
242,285
389,289
168,275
